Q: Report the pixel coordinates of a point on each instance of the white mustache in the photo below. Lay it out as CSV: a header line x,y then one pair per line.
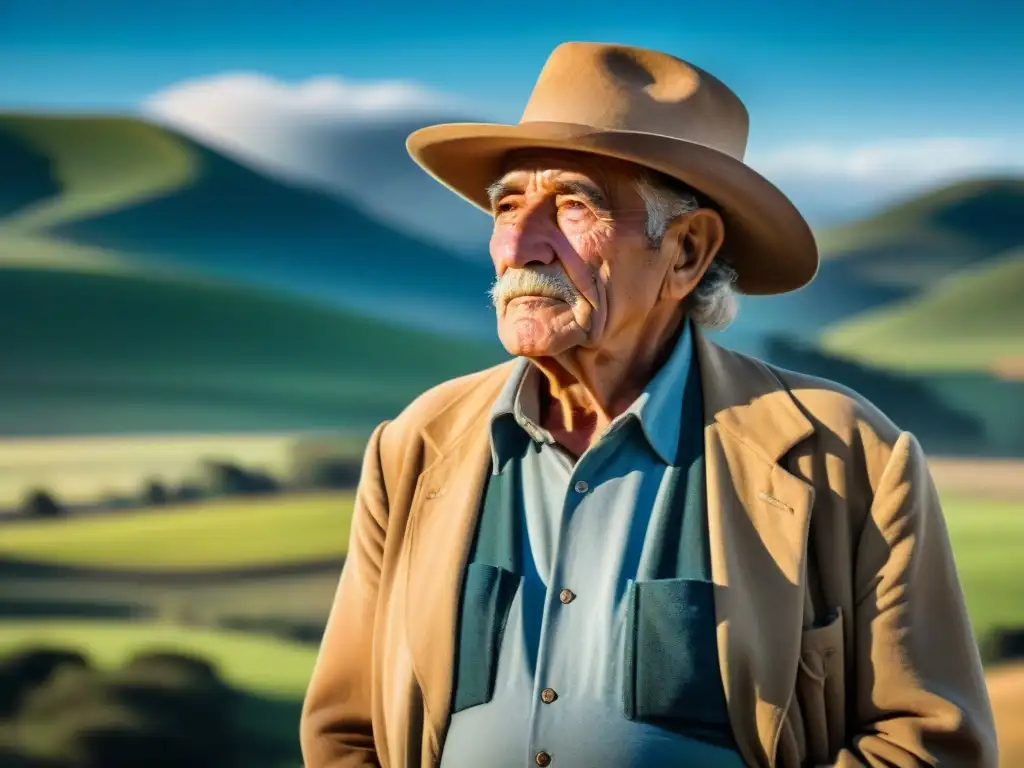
x,y
531,282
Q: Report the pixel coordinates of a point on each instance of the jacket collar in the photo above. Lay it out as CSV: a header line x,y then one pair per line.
x,y
740,394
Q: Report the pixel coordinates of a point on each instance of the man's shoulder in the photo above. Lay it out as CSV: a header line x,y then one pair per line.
x,y
830,404
470,392
836,404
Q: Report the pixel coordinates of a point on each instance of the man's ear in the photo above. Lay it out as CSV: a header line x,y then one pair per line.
x,y
690,244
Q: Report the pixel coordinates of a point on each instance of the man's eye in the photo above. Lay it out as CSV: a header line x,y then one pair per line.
x,y
503,207
573,208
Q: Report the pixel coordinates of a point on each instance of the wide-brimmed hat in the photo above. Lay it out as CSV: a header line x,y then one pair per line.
x,y
656,111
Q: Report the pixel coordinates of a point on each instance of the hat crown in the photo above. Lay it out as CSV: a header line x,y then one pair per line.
x,y
624,88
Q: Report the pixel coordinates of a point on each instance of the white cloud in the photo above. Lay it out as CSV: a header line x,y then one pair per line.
x,y
832,183
324,97
894,163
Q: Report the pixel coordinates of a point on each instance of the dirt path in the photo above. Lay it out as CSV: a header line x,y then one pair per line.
x,y
991,478
1006,689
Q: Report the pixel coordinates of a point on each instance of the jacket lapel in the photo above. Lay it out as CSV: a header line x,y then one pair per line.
x,y
758,520
442,522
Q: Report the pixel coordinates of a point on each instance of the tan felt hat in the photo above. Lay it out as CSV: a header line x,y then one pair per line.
x,y
654,110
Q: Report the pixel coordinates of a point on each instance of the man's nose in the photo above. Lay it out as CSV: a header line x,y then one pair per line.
x,y
519,246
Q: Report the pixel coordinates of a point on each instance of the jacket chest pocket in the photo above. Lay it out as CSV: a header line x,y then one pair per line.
x,y
486,599
672,673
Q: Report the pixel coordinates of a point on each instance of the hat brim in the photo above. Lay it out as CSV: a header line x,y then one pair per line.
x,y
768,242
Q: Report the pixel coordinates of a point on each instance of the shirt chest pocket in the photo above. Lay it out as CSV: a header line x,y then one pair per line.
x,y
672,674
487,596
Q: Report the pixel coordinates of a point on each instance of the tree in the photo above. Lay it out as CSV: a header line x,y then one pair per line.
x,y
41,503
225,478
155,493
326,463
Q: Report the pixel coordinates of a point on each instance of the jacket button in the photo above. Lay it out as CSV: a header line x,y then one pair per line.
x,y
548,695
542,759
566,596
581,486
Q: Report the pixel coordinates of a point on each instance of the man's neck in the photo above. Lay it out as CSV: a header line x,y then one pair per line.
x,y
583,391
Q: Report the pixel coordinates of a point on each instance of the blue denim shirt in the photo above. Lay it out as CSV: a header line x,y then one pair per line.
x,y
577,642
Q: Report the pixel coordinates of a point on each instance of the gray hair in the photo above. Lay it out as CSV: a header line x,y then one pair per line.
x,y
713,303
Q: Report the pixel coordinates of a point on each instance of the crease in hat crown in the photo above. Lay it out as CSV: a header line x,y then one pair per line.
x,y
655,111
613,87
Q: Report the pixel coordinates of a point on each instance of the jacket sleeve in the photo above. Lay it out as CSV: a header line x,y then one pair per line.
x,y
336,725
920,696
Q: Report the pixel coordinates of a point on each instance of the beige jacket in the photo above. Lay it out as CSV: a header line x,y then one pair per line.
x,y
842,632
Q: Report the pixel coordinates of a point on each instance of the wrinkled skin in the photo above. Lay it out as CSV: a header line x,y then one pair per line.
x,y
579,221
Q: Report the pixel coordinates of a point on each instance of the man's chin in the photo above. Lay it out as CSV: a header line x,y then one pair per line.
x,y
528,337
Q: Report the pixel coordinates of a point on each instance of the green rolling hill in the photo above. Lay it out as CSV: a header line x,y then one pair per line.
x,y
921,240
130,187
971,320
97,165
889,258
26,174
149,283
95,351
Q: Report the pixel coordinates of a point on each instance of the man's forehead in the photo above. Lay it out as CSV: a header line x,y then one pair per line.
x,y
554,164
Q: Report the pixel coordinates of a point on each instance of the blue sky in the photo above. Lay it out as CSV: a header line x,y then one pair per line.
x,y
809,70
843,75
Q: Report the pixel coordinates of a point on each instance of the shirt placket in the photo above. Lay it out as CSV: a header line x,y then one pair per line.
x,y
560,596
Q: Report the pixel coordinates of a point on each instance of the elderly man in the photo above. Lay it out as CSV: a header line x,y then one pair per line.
x,y
629,546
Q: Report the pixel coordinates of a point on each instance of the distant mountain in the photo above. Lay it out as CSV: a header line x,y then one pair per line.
x,y
334,137
890,257
922,240
971,320
131,187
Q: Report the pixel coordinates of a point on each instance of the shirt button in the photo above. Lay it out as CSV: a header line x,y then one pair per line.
x,y
566,596
548,695
581,486
542,759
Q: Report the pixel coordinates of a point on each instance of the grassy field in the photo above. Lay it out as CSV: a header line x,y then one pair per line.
x,y
987,534
988,539
219,534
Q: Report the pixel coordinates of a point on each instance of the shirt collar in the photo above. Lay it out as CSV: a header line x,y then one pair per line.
x,y
658,408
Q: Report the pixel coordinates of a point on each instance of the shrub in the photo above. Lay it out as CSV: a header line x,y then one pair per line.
x,y
1003,644
160,710
41,503
155,493
22,672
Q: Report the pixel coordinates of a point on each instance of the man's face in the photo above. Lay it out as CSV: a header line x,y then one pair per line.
x,y
569,249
